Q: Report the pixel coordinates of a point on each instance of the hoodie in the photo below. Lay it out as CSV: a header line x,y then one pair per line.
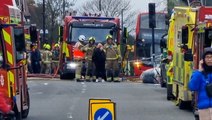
x,y
198,82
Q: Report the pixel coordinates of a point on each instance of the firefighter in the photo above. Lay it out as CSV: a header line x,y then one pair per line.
x,y
79,57
47,59
55,57
88,49
112,59
35,59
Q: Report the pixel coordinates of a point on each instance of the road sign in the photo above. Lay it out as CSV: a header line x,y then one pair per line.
x,y
103,111
103,114
91,101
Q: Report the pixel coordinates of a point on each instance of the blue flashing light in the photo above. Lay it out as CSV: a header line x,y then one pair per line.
x,y
97,18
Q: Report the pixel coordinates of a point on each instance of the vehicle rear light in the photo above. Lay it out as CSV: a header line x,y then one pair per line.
x,y
5,106
170,56
171,70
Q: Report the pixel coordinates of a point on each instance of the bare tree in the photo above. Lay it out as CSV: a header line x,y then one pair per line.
x,y
112,8
55,9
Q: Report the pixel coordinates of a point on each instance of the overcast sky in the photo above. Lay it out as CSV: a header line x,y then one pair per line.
x,y
138,5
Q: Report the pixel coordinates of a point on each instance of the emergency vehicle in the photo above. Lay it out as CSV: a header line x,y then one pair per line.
x,y
192,33
14,95
89,26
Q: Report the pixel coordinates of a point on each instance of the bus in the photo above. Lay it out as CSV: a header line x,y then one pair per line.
x,y
143,41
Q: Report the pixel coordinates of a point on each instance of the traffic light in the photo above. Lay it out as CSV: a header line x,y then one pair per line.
x,y
33,34
152,23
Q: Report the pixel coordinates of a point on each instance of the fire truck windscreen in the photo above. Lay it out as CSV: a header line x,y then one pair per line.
x,y
99,30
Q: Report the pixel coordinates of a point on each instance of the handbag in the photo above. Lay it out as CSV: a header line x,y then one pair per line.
x,y
208,89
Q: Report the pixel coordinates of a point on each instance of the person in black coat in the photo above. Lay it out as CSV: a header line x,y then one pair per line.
x,y
99,59
35,59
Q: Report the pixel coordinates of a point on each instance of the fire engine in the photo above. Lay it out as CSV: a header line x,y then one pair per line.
x,y
14,95
192,33
89,26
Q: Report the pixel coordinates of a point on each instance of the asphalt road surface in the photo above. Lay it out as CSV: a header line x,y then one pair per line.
x,y
68,100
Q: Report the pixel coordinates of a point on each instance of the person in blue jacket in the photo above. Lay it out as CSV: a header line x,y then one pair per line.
x,y
198,82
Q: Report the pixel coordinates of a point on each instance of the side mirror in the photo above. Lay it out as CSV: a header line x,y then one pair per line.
x,y
184,34
163,43
124,35
61,33
167,19
19,39
208,37
188,56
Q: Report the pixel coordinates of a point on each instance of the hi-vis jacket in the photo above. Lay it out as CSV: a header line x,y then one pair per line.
x,y
112,52
78,54
88,51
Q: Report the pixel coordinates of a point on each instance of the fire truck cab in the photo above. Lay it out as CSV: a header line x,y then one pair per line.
x,y
89,26
14,95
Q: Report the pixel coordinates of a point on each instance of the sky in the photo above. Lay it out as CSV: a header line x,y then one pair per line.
x,y
137,5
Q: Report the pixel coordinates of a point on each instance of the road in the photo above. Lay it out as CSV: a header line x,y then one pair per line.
x,y
68,100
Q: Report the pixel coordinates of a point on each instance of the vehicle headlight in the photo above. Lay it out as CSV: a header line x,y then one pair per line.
x,y
71,65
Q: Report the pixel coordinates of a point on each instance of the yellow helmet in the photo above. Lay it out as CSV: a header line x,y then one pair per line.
x,y
109,37
44,45
92,39
48,47
56,45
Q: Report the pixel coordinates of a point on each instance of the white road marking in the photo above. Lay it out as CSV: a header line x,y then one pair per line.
x,y
69,115
46,83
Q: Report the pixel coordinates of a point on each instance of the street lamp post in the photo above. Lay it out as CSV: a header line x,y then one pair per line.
x,y
122,19
44,33
100,5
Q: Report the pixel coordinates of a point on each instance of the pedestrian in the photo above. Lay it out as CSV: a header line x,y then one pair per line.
x,y
201,82
35,59
99,59
113,57
88,49
79,57
47,59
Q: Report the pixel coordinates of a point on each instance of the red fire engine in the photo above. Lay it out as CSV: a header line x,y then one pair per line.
x,y
74,26
14,96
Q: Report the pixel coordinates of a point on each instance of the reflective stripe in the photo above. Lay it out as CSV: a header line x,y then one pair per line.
x,y
11,77
111,58
27,36
78,76
10,57
7,37
11,80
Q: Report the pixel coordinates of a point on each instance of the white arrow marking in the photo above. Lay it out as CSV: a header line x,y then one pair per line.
x,y
104,116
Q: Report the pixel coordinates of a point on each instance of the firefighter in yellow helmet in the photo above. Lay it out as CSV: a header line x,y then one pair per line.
x,y
46,59
113,57
55,57
88,49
